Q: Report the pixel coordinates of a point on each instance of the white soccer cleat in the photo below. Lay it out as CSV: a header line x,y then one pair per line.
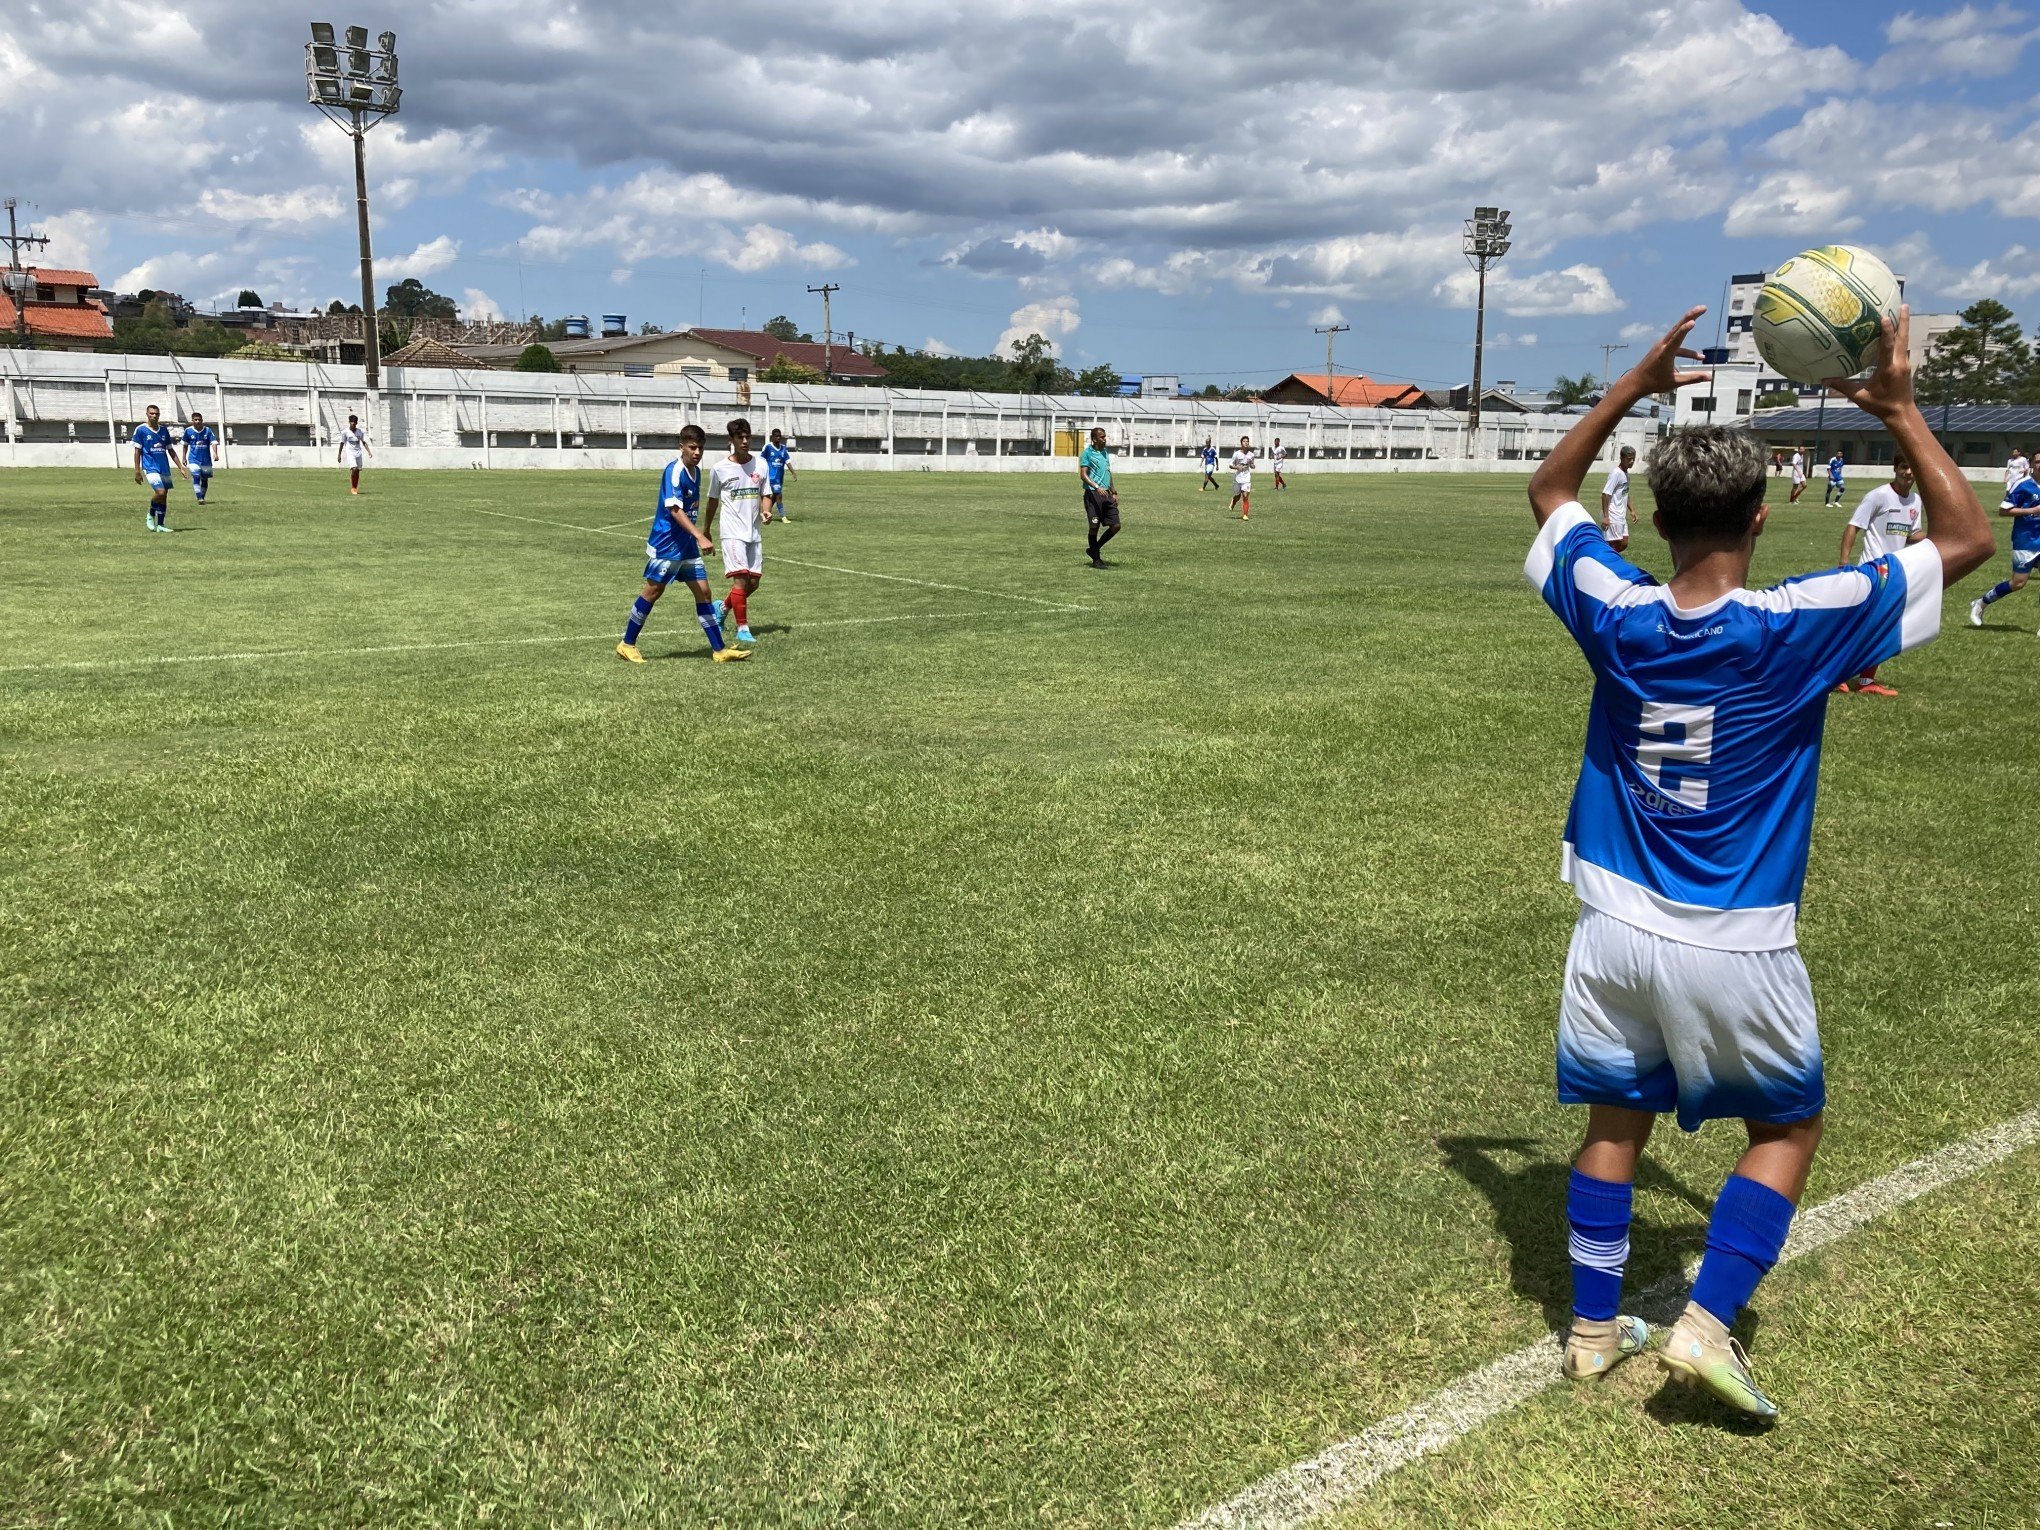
x,y
1976,612
1592,1350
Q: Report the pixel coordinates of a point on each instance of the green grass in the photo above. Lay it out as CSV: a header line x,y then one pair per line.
x,y
1012,1064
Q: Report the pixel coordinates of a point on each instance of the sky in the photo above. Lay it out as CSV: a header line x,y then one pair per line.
x,y
1186,188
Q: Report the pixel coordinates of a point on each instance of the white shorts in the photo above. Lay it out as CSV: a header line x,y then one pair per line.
x,y
1618,525
1243,483
1650,1023
743,557
160,482
1798,478
351,460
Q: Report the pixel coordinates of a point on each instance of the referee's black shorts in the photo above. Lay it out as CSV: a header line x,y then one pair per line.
x,y
1101,509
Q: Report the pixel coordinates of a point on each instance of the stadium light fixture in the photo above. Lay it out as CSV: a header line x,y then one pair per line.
x,y
1486,240
355,85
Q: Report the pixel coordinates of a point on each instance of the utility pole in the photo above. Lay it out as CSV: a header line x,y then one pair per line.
x,y
1329,331
18,279
828,335
1606,352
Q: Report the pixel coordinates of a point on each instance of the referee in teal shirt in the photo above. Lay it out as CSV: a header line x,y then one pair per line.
x,y
1101,500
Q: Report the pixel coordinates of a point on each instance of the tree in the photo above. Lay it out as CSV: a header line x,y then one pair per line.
x,y
535,358
1566,391
1984,361
1035,369
263,350
780,327
412,299
1101,381
1778,398
248,299
336,306
783,371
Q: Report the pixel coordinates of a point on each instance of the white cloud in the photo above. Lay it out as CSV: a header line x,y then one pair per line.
x,y
1504,341
936,347
273,209
1578,289
620,277
1054,319
75,240
1974,41
1329,314
1793,202
178,271
477,306
1632,333
433,256
761,247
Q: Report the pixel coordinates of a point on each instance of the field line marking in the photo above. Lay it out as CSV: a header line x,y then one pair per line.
x,y
1343,1472
862,573
253,655
634,521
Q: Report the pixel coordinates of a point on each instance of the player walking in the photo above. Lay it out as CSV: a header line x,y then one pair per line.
x,y
1615,501
673,551
1832,494
1243,480
199,441
1888,518
1688,835
1798,475
1101,500
1210,461
2022,504
1276,457
156,466
353,443
2016,467
736,491
778,468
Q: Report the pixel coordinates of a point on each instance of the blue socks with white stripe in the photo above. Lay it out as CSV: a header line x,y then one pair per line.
x,y
1598,1211
1997,592
1744,1238
640,609
711,623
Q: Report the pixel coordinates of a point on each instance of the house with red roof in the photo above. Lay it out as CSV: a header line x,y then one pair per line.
x,y
1351,391
62,314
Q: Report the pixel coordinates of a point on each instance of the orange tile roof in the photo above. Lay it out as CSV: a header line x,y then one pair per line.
x,y
1356,392
75,321
58,276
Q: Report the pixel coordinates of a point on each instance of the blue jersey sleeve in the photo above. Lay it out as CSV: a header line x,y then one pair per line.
x,y
1845,621
1579,575
2023,495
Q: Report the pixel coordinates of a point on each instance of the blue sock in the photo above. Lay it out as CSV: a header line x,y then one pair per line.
x,y
1744,1238
639,610
161,511
1598,1210
704,612
1997,591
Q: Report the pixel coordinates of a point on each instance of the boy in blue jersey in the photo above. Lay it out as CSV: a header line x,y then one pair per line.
x,y
2022,504
673,552
1687,839
778,468
199,441
1834,492
1209,457
155,465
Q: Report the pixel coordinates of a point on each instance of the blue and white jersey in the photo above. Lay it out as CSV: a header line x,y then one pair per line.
x,y
1694,807
1210,458
776,458
198,446
154,444
2024,496
679,489
1835,468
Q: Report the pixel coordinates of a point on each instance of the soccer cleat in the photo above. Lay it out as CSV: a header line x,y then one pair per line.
x,y
1592,1350
731,655
1703,1353
1842,689
744,636
629,651
1976,612
1875,689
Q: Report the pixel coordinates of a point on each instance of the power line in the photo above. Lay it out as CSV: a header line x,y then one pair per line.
x,y
17,279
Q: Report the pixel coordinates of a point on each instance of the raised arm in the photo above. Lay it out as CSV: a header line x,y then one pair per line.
x,y
1558,477
1956,524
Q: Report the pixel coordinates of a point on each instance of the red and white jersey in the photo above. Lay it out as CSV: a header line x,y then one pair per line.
x,y
740,486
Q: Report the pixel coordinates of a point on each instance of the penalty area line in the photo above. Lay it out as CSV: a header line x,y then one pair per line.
x,y
1343,1473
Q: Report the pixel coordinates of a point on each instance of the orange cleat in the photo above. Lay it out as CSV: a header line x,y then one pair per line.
x,y
1842,689
1874,689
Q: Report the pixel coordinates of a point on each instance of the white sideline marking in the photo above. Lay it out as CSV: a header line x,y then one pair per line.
x,y
636,521
350,653
862,573
1341,1473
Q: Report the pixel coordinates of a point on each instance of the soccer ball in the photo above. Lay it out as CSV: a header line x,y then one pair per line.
x,y
1821,313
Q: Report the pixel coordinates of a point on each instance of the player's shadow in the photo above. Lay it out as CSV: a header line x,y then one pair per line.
x,y
1527,1191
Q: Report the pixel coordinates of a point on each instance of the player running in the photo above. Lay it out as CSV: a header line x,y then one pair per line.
x,y
2016,467
1101,500
673,551
1243,480
1888,518
1209,458
1615,501
2022,504
354,442
1276,457
156,466
1798,475
1832,494
736,490
1688,834
778,468
199,441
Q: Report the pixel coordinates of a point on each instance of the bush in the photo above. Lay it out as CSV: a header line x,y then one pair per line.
x,y
536,358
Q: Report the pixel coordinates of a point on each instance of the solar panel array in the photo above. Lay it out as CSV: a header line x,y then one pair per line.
x,y
1975,419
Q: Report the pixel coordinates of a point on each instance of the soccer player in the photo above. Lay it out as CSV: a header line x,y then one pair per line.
x,y
1243,480
1210,461
1798,475
1688,834
155,465
199,441
778,468
353,442
673,551
2016,467
1832,494
2022,504
1276,457
1101,500
736,491
1615,501
1888,518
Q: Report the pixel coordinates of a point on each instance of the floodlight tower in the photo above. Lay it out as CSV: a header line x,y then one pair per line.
x,y
355,86
1487,240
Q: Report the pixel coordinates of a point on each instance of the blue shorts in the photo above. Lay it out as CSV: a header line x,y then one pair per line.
x,y
160,482
776,484
666,570
2024,558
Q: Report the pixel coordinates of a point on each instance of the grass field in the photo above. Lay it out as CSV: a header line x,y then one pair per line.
x,y
1035,1046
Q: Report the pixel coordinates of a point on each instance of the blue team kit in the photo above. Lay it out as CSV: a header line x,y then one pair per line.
x,y
2024,495
776,457
671,551
154,443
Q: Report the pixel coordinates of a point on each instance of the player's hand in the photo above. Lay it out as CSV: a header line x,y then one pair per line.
x,y
1889,389
138,475
1658,371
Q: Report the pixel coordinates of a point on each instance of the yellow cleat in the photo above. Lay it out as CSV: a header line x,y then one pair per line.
x,y
629,651
731,655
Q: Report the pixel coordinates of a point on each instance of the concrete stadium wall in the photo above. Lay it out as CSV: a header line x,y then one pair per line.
x,y
60,409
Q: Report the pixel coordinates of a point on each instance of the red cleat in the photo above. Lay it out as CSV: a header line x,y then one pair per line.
x,y
1874,689
1842,689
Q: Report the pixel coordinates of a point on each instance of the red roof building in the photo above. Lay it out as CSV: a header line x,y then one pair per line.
x,y
1349,392
844,363
61,314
